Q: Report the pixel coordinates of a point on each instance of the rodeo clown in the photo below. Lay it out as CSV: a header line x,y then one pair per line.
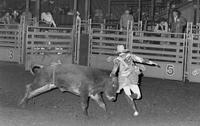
x,y
127,67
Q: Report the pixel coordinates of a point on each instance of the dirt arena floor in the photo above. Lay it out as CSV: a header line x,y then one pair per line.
x,y
164,103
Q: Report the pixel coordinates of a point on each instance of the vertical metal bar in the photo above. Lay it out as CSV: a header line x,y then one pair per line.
x,y
109,7
25,48
74,33
27,5
20,44
152,12
139,10
89,9
27,10
185,57
168,11
189,56
90,47
86,9
78,39
37,9
198,7
131,40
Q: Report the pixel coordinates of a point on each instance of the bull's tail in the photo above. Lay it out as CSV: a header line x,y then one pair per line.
x,y
35,68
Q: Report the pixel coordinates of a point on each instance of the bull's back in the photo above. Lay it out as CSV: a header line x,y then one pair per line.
x,y
82,73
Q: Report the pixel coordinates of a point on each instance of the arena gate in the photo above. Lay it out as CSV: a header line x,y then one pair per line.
x,y
166,49
193,58
45,45
11,43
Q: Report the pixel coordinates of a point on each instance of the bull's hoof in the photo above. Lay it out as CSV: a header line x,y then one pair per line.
x,y
85,113
22,103
136,113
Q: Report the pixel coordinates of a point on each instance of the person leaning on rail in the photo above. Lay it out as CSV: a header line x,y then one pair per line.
x,y
162,29
162,26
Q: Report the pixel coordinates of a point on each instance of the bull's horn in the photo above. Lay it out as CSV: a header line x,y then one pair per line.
x,y
35,66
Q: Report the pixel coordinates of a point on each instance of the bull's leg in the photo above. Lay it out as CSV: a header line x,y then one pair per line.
x,y
27,92
99,100
130,100
84,102
42,89
30,94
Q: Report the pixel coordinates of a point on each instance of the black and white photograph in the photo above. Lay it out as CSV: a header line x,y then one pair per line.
x,y
99,62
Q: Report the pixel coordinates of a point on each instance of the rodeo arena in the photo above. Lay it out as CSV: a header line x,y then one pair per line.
x,y
99,62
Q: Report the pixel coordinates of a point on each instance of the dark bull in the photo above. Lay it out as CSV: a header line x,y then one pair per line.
x,y
80,80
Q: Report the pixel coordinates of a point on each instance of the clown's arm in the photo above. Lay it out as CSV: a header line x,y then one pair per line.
x,y
136,60
139,60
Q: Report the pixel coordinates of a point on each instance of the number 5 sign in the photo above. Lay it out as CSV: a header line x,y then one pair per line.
x,y
170,69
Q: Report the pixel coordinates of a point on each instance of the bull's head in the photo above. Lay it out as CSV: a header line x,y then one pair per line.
x,y
111,88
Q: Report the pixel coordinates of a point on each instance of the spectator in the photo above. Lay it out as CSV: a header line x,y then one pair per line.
x,y
48,19
98,16
7,18
125,18
162,26
178,23
27,15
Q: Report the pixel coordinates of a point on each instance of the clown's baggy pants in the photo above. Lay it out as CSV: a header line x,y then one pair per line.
x,y
129,83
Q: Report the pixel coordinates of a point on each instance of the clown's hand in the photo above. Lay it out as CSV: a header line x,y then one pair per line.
x,y
141,67
158,66
154,64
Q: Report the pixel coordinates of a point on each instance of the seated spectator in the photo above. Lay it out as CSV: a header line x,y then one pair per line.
x,y
162,26
125,18
15,17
